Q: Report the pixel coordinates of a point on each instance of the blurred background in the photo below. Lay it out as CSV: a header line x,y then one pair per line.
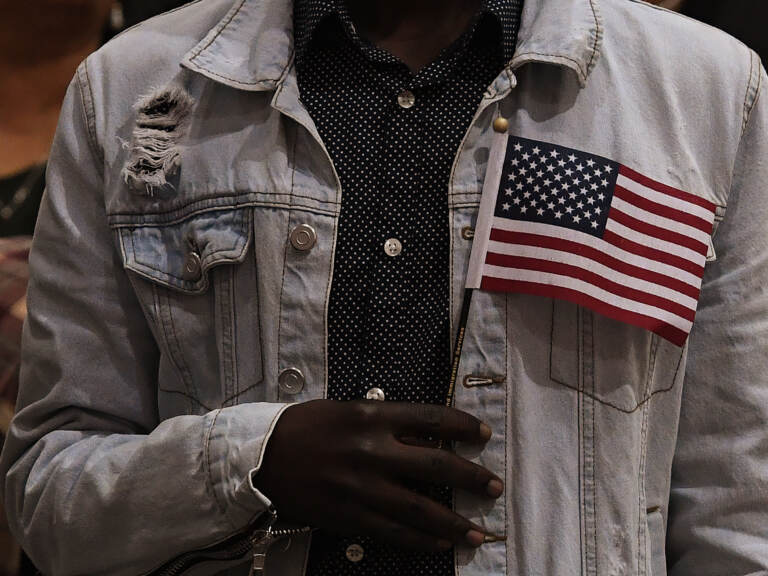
x,y
41,44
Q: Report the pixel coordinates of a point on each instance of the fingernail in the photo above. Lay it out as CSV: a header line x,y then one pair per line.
x,y
475,538
495,488
445,545
485,431
491,538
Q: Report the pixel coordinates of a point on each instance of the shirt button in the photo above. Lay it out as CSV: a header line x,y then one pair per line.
x,y
303,238
355,553
193,267
291,381
393,247
406,99
376,394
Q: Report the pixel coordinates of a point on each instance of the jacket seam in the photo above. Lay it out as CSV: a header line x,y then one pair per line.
x,y
89,111
748,114
598,36
209,476
223,26
200,211
749,107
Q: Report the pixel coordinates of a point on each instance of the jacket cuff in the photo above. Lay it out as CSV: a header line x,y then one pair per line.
x,y
233,452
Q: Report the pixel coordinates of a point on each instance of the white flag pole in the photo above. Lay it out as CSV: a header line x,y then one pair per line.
x,y
480,243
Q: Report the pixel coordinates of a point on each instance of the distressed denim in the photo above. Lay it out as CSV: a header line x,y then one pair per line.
x,y
166,300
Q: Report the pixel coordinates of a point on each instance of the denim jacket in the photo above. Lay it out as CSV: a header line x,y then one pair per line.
x,y
176,306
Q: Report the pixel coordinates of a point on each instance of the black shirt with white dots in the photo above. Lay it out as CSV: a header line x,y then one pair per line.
x,y
393,136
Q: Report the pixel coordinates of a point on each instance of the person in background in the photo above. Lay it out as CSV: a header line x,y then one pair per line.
x,y
41,45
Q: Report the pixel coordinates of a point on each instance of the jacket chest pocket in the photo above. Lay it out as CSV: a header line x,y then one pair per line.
x,y
197,282
619,365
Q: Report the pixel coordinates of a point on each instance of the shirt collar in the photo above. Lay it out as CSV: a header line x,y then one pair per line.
x,y
252,47
309,14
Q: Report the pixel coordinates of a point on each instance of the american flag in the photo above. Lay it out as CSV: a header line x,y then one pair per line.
x,y
567,224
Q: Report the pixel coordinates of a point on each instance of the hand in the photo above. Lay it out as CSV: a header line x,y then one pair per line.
x,y
342,466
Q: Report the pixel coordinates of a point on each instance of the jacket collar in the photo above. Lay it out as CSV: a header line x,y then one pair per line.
x,y
252,47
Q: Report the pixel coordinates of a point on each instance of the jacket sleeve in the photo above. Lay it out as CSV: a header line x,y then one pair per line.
x,y
94,483
719,499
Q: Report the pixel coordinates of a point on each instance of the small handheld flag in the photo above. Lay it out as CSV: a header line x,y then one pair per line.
x,y
567,224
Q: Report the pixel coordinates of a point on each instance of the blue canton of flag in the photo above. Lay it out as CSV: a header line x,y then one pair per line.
x,y
551,184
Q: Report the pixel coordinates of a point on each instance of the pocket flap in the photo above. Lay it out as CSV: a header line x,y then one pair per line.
x,y
161,253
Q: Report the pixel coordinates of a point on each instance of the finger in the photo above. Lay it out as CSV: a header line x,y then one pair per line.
x,y
434,421
440,467
425,515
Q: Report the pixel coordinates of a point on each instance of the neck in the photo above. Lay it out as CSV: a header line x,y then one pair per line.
x,y
414,31
35,74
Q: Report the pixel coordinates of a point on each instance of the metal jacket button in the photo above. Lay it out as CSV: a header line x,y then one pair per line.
x,y
193,267
375,394
393,247
406,99
355,553
291,381
303,238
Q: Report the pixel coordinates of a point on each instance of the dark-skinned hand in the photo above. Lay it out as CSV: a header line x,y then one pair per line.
x,y
346,467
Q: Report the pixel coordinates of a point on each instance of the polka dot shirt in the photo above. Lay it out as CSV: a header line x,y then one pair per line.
x,y
393,136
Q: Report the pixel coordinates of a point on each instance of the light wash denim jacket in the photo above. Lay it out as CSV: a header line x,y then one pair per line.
x,y
167,321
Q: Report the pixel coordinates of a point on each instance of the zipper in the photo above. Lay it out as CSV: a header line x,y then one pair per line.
x,y
238,546
262,540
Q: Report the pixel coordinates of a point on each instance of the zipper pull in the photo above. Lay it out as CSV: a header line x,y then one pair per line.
x,y
261,540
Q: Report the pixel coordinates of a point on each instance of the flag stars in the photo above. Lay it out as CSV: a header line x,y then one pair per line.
x,y
572,158
540,211
526,156
506,206
594,224
561,163
558,215
518,146
554,153
569,172
580,167
516,201
590,163
510,192
520,186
